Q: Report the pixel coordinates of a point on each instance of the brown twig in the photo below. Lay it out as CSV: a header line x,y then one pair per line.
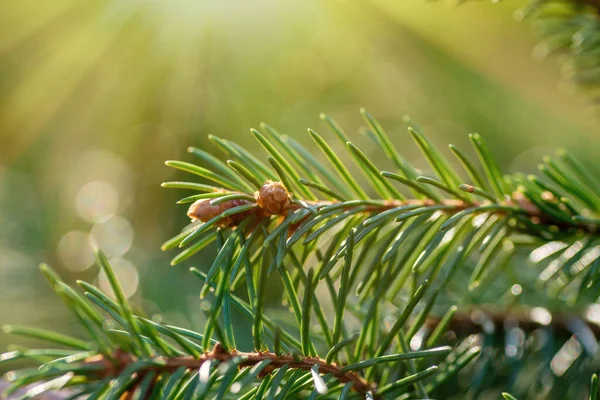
x,y
477,318
272,200
517,204
111,367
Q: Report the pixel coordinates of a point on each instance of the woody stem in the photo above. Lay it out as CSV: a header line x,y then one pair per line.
x,y
120,361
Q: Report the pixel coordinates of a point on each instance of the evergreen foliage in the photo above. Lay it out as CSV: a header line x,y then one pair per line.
x,y
381,285
363,270
570,28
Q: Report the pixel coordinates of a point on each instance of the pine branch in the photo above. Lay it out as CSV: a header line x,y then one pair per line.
x,y
570,28
147,359
109,367
492,320
442,220
298,209
314,225
515,205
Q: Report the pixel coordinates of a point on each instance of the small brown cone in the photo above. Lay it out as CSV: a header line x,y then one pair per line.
x,y
204,211
272,198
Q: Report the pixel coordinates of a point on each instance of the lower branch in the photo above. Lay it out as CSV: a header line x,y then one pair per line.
x,y
492,320
112,367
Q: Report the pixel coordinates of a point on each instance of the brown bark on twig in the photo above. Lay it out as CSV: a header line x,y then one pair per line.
x,y
471,320
516,203
120,360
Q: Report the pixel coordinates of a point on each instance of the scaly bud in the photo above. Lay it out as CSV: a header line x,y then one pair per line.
x,y
203,210
272,198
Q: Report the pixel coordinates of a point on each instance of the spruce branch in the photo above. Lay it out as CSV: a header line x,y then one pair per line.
x,y
570,28
381,253
443,220
470,320
115,364
296,210
145,359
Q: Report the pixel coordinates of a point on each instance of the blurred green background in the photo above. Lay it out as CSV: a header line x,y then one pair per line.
x,y
96,95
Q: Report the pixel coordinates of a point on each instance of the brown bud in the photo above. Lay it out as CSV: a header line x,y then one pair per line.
x,y
272,198
219,350
468,188
203,211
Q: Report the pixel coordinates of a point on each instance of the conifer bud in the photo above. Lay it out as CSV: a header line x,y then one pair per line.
x,y
272,198
203,210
